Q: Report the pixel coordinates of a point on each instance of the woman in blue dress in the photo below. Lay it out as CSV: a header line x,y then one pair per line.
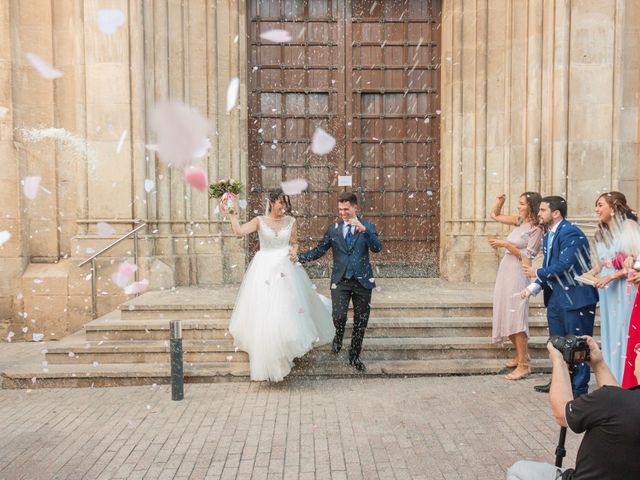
x,y
617,223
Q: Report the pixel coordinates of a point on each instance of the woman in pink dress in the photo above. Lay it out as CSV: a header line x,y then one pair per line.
x,y
510,312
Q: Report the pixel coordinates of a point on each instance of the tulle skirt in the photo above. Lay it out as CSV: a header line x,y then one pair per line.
x,y
278,315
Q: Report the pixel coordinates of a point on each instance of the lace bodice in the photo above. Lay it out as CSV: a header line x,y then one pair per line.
x,y
274,235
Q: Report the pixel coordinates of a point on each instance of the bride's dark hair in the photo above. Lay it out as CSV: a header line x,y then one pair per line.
x,y
278,194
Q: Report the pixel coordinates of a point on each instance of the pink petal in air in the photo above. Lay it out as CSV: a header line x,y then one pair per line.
x,y
105,230
137,287
127,269
196,177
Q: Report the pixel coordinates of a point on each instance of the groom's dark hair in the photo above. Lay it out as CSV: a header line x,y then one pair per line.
x,y
348,197
556,203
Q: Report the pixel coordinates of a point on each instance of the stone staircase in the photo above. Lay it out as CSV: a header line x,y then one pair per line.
x,y
439,329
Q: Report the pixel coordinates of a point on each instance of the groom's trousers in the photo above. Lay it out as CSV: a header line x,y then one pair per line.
x,y
346,290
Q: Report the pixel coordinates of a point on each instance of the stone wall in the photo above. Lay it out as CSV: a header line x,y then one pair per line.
x,y
537,95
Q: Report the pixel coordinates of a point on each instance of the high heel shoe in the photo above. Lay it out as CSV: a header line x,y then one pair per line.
x,y
522,370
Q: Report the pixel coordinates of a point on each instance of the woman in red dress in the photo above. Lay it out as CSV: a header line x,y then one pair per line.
x,y
633,345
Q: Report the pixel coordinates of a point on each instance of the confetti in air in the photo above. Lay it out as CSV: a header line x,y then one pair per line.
x,y
196,177
4,237
180,132
294,187
75,144
322,143
3,111
232,93
137,287
44,69
30,186
123,136
105,230
276,36
109,20
148,185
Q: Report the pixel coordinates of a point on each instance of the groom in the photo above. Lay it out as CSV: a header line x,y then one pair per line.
x,y
352,277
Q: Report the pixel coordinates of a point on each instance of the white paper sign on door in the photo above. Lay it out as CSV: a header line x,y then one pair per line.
x,y
345,181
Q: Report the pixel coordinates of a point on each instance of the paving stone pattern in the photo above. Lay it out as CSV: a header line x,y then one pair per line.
x,y
421,428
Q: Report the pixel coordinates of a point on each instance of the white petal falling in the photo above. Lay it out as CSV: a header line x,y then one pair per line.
x,y
109,20
204,148
120,280
322,143
232,93
4,237
105,230
179,130
3,111
276,36
242,203
196,177
148,185
123,136
30,186
37,337
137,287
294,187
152,147
44,69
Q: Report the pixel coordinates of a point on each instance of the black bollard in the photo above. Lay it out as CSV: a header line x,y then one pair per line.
x,y
177,367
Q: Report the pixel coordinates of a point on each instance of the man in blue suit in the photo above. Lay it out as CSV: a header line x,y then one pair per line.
x,y
352,277
570,306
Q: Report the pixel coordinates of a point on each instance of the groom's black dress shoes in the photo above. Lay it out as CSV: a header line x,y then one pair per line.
x,y
336,346
542,388
356,362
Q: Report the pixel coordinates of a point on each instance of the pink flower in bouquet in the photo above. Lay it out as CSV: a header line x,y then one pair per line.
x,y
618,260
227,201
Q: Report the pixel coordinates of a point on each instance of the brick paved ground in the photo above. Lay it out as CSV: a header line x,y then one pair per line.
x,y
428,428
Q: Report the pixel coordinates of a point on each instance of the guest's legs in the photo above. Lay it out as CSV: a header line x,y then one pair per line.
x,y
521,342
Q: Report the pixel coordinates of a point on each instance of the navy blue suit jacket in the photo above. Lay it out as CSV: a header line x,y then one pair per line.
x,y
569,256
357,255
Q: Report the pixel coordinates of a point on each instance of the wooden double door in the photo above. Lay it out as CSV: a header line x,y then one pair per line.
x,y
367,72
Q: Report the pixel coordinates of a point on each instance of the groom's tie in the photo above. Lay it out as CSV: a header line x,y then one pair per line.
x,y
549,243
349,237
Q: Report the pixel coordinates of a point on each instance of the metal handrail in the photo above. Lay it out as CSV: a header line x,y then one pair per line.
x,y
92,259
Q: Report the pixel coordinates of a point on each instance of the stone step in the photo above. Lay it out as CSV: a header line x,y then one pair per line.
x,y
211,329
110,375
155,311
77,350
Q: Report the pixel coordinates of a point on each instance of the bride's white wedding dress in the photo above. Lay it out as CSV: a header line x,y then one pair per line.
x,y
278,315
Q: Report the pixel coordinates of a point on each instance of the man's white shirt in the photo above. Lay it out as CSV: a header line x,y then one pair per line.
x,y
536,288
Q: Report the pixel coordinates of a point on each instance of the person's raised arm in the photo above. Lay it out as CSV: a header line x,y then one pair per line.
x,y
561,391
496,212
244,229
598,365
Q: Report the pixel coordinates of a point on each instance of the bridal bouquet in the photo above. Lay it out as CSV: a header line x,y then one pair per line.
x,y
226,192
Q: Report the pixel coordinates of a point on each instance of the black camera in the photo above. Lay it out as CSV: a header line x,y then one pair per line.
x,y
575,350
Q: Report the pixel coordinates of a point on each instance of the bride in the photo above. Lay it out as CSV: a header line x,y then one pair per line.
x,y
278,315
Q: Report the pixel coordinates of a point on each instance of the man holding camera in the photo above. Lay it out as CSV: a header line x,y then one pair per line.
x,y
571,307
609,416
